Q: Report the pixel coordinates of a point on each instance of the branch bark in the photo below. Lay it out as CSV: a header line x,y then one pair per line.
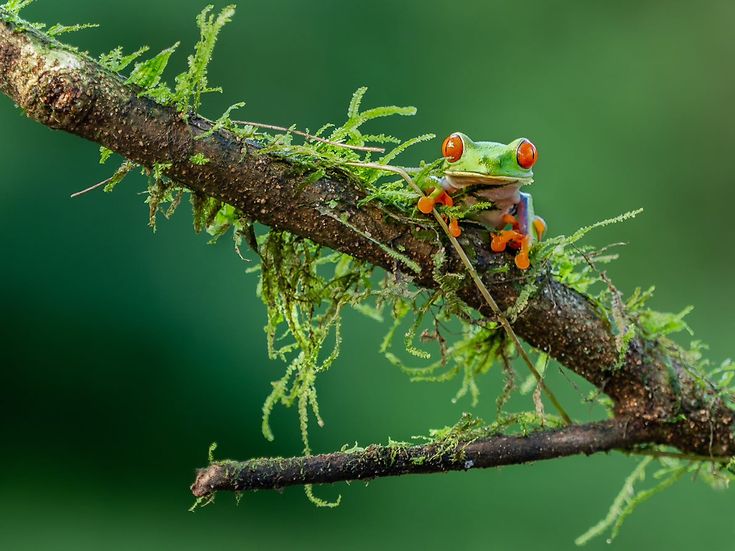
x,y
382,461
68,91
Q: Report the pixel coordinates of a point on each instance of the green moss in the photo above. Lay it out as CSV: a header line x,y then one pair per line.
x,y
629,499
14,7
304,289
125,168
199,159
472,355
210,452
115,61
148,74
105,154
58,29
223,122
192,84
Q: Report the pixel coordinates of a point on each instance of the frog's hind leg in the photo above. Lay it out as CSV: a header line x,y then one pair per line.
x,y
526,227
501,239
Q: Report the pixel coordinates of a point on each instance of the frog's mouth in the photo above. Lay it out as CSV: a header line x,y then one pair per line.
x,y
462,179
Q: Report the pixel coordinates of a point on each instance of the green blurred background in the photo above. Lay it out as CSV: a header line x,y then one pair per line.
x,y
124,353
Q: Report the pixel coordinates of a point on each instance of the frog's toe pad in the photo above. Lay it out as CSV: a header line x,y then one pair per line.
x,y
522,261
426,204
454,228
445,199
497,245
500,240
540,226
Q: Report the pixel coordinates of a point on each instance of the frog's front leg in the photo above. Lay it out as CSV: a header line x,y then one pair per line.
x,y
440,196
526,228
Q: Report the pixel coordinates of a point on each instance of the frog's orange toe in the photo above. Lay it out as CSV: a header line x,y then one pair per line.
x,y
522,261
540,226
500,240
445,199
497,244
426,204
454,229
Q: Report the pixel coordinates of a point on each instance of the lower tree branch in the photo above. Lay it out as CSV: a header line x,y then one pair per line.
x,y
652,391
382,461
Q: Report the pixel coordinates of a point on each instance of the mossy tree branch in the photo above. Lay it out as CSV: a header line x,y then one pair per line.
x,y
654,395
394,460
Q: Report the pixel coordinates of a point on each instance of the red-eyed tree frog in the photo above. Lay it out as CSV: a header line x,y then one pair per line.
x,y
491,172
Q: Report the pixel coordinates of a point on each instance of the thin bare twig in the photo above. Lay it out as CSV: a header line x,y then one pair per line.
x,y
92,188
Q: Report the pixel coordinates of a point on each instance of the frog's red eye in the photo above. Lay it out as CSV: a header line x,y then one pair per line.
x,y
453,147
526,154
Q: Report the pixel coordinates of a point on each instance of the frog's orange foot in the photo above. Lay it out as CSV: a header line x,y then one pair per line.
x,y
500,240
454,229
445,199
522,260
426,204
540,226
504,238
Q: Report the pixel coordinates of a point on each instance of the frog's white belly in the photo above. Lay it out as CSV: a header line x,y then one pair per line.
x,y
503,197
